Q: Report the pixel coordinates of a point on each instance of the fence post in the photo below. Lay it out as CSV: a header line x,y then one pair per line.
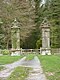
x,y
21,50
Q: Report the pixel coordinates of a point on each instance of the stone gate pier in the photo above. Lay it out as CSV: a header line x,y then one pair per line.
x,y
45,26
15,38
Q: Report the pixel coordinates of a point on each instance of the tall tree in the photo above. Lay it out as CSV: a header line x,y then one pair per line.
x,y
51,10
55,20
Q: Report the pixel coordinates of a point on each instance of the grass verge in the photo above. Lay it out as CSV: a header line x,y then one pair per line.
x,y
30,56
20,73
51,66
1,68
9,59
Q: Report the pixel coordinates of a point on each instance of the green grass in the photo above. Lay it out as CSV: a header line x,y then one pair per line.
x,y
51,66
8,59
30,56
1,68
20,73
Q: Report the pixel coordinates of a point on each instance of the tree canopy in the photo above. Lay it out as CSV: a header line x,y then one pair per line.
x,y
30,14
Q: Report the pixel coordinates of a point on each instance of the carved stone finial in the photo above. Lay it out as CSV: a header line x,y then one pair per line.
x,y
45,23
15,23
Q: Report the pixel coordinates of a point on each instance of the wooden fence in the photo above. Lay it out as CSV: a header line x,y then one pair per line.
x,y
54,51
27,51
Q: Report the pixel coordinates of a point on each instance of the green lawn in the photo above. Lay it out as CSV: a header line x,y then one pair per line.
x,y
20,73
51,66
1,68
30,56
8,59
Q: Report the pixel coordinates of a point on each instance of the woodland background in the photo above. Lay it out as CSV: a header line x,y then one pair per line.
x,y
30,14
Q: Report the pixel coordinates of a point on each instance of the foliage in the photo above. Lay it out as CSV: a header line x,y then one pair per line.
x,y
38,44
5,52
30,14
55,19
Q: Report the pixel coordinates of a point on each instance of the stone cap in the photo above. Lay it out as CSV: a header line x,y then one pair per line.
x,y
45,23
15,24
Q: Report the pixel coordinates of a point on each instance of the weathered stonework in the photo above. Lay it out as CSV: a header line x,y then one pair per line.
x,y
15,36
45,26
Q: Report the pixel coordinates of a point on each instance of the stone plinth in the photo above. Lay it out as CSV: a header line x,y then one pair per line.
x,y
45,51
15,52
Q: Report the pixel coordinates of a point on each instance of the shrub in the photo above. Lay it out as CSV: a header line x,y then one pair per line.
x,y
0,51
5,52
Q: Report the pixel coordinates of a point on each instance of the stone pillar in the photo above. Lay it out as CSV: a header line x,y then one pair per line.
x,y
46,37
15,37
18,39
45,26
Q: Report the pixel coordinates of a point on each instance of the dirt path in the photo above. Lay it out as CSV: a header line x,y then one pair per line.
x,y
37,72
10,67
